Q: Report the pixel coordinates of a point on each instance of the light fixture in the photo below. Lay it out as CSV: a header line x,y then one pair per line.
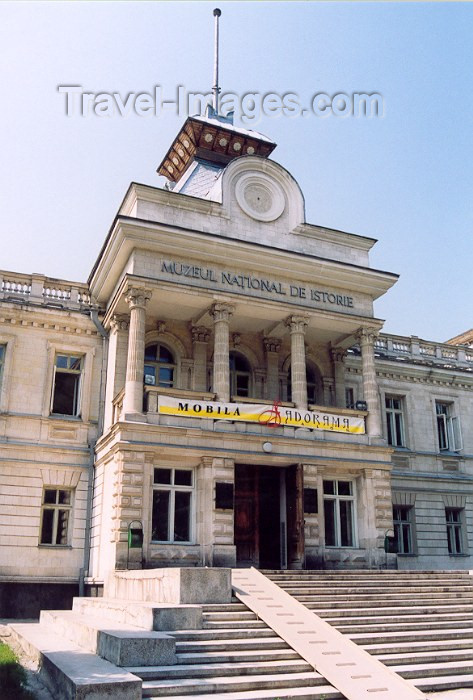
x,y
267,446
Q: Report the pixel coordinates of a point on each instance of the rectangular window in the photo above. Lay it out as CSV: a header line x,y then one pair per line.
x,y
402,518
339,513
453,517
55,516
448,428
173,494
395,421
349,397
67,385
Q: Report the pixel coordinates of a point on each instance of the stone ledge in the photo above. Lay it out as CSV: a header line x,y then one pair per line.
x,y
72,673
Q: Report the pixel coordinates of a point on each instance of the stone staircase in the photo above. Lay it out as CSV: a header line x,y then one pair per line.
x,y
418,623
234,656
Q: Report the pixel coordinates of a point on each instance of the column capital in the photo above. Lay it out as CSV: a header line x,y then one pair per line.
x,y
221,311
200,334
367,335
137,297
272,344
297,324
119,322
338,354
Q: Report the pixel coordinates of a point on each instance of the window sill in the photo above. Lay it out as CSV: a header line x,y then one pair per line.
x,y
54,546
461,554
64,416
407,554
174,544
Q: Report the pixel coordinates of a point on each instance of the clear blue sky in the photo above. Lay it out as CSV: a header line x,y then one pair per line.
x,y
405,179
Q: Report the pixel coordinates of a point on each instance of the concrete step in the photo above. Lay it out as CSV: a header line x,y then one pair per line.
x,y
230,615
323,692
236,624
427,657
400,589
419,646
395,619
351,628
223,669
233,644
122,645
394,604
444,682
410,598
145,615
375,611
225,684
375,584
230,655
226,633
224,607
367,639
411,671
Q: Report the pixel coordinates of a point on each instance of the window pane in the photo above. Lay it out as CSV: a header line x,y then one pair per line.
x,y
329,515
389,422
150,375
65,394
346,524
166,375
61,361
344,488
183,477
64,497
150,353
160,524
329,487
406,538
50,496
182,509
242,384
75,363
47,527
458,542
162,476
442,432
398,422
2,352
63,519
165,355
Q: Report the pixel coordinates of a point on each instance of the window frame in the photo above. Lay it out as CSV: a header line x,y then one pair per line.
x,y
402,525
337,498
172,488
158,365
77,399
449,433
455,527
235,373
395,429
56,507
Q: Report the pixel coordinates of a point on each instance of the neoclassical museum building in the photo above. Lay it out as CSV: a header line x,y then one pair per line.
x,y
220,393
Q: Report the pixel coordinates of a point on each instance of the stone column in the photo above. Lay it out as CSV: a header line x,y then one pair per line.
x,y
338,359
272,347
366,338
200,338
221,314
116,366
137,299
297,326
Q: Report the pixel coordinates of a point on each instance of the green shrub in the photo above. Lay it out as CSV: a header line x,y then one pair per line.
x,y
12,676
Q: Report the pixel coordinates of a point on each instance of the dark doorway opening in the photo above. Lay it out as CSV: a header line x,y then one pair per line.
x,y
269,526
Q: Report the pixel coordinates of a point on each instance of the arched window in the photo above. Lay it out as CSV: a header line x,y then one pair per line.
x,y
160,366
240,375
311,379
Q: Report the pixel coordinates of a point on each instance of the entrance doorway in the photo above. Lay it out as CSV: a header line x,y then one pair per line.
x,y
269,525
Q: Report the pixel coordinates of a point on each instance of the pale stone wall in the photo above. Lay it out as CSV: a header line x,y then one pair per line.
x,y
39,450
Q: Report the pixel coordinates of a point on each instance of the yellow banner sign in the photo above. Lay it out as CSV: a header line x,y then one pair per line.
x,y
270,415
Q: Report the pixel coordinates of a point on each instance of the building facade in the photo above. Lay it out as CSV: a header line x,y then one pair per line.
x,y
221,384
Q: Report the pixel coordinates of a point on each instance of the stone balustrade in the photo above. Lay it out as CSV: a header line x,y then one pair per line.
x,y
43,290
413,348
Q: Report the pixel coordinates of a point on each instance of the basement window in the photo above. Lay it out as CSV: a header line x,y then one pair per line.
x,y
173,503
55,516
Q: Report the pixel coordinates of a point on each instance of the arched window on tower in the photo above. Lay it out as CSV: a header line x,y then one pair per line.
x,y
160,366
240,375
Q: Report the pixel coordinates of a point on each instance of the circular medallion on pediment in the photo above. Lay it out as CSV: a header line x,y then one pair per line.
x,y
260,197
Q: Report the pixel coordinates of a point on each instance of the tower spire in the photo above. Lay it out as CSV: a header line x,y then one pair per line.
x,y
216,88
